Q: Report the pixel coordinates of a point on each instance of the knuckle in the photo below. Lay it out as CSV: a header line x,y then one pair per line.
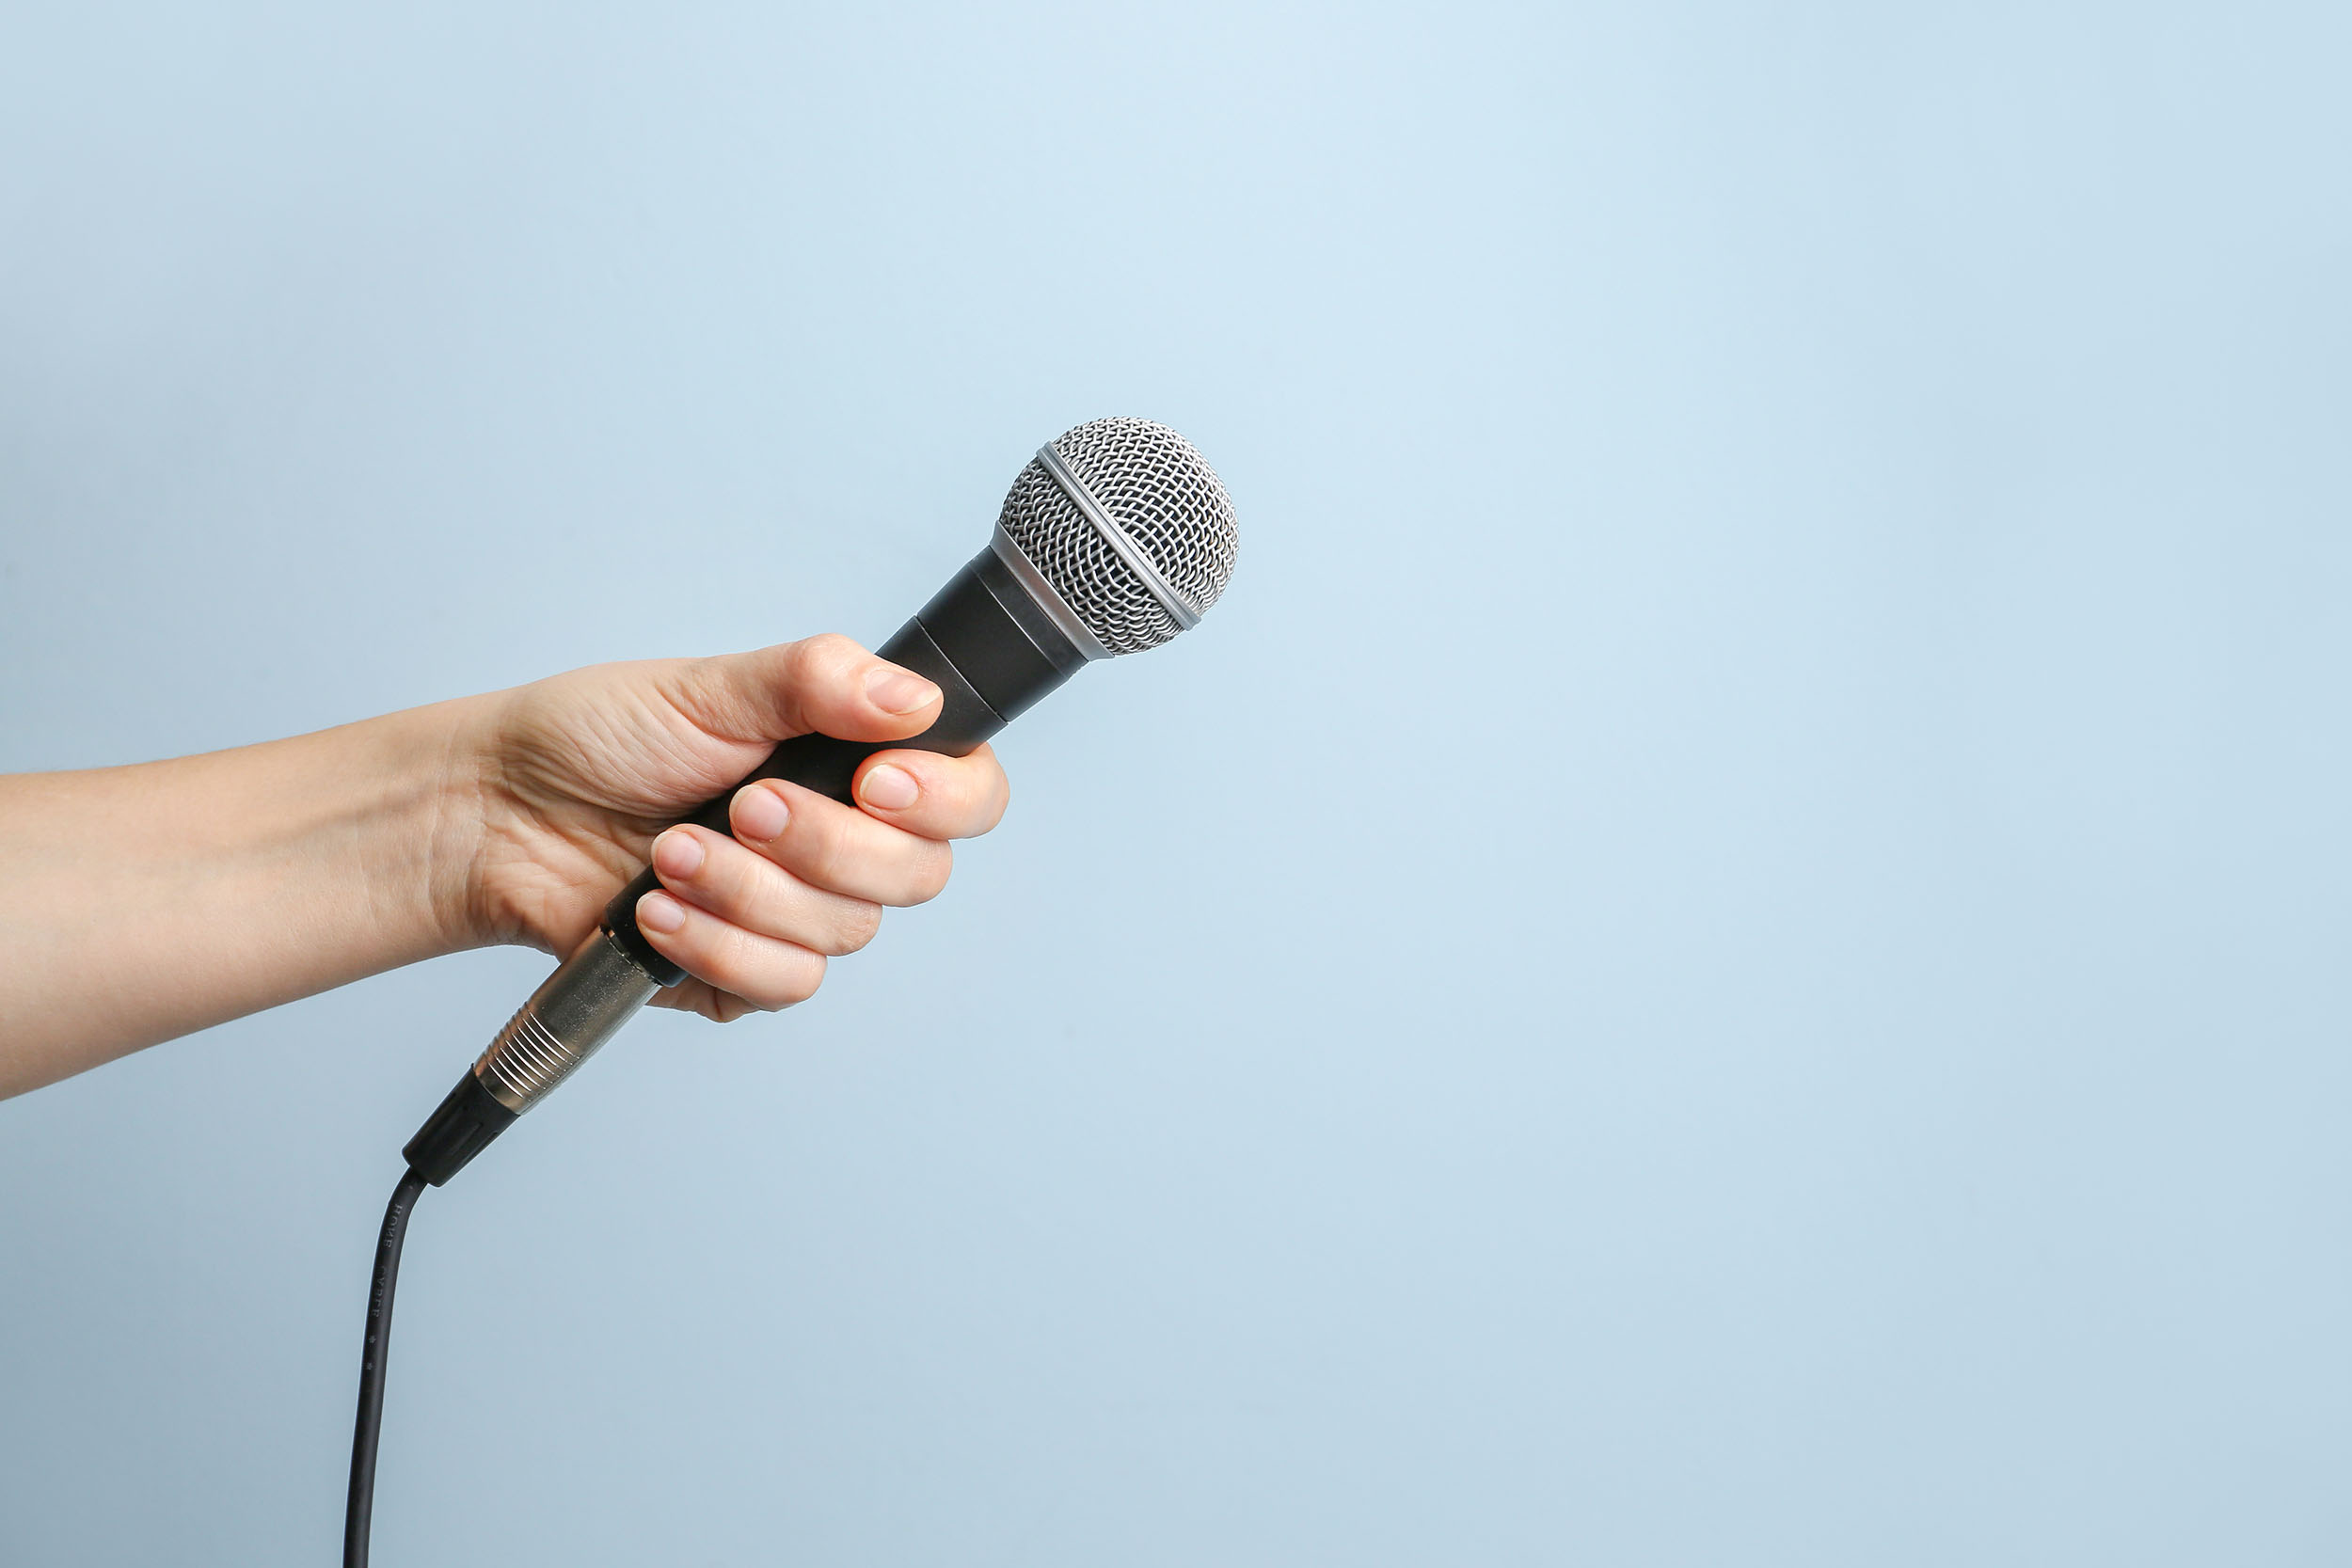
x,y
726,957
860,923
932,873
828,656
800,661
828,854
796,978
973,794
732,872
766,974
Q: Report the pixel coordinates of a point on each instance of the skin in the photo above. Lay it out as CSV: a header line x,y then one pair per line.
x,y
150,901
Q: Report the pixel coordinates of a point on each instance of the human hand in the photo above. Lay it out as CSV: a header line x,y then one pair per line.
x,y
580,775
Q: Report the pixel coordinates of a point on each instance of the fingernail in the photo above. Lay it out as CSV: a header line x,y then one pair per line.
x,y
660,912
677,854
760,814
891,788
897,690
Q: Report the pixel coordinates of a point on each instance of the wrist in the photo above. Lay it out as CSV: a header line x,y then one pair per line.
x,y
430,858
519,858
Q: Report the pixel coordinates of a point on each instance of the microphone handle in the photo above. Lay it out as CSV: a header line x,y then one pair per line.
x,y
827,766
991,650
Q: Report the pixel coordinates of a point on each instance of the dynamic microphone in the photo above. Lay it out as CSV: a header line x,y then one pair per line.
x,y
1114,538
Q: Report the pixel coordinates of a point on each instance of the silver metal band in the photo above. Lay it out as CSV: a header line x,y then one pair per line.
x,y
581,1005
1056,608
1179,609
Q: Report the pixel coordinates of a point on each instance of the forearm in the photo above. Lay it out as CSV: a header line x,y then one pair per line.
x,y
150,901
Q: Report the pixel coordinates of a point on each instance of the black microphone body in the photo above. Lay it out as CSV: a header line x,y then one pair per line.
x,y
992,650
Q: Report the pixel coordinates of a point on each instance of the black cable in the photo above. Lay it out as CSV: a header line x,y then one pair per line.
x,y
362,1500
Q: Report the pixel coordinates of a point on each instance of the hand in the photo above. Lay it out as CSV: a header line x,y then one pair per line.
x,y
578,775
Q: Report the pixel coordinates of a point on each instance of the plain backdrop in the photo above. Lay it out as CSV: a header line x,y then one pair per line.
x,y
1731,948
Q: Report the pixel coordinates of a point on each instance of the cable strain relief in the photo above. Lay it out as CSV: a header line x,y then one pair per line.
x,y
468,1119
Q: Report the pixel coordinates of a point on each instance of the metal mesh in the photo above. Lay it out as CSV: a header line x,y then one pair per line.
x,y
1156,487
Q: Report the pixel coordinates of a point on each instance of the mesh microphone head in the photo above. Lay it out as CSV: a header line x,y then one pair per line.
x,y
1159,493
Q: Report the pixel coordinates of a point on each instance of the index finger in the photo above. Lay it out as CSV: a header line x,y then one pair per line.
x,y
931,795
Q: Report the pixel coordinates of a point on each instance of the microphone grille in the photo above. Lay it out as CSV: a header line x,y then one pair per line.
x,y
1161,493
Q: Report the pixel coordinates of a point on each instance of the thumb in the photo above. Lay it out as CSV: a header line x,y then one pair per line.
x,y
826,684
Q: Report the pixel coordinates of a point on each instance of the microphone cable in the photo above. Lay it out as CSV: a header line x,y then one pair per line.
x,y
360,1504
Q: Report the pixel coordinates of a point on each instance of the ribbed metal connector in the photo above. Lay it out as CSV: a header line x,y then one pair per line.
x,y
581,1005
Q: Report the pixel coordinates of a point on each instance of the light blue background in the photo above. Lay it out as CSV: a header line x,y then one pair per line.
x,y
1731,948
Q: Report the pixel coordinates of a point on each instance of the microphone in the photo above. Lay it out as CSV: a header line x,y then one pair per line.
x,y
1116,537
